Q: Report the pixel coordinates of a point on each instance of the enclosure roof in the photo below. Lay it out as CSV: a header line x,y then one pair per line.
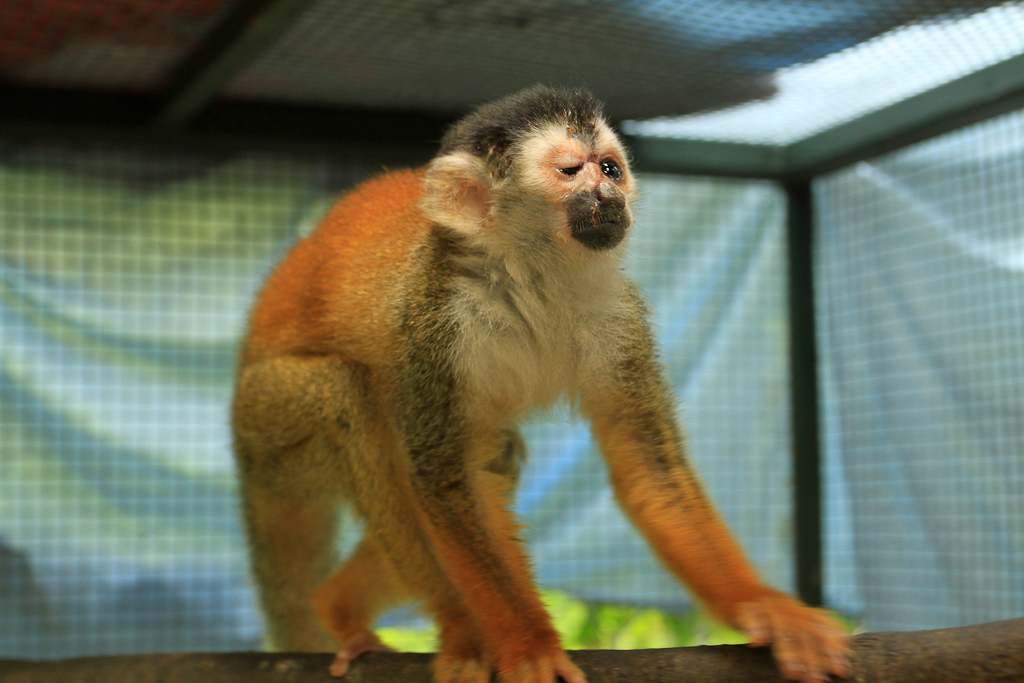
x,y
742,86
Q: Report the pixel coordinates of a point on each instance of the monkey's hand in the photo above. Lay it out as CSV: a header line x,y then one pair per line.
x,y
808,644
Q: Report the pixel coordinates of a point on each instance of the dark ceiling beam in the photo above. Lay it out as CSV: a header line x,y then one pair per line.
x,y
706,157
173,140
249,28
304,123
57,107
384,136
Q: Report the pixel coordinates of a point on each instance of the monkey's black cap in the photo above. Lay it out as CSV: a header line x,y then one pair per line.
x,y
490,131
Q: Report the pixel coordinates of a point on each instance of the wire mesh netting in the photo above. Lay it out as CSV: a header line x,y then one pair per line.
x,y
644,58
419,54
734,70
921,270
125,278
856,80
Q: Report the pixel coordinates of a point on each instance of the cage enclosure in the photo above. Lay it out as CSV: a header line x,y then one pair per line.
x,y
831,239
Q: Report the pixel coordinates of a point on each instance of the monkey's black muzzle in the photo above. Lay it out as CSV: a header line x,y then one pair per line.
x,y
598,219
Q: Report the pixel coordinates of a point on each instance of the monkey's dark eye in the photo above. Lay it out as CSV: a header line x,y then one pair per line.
x,y
571,171
611,169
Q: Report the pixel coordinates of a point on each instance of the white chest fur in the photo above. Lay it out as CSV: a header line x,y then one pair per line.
x,y
528,342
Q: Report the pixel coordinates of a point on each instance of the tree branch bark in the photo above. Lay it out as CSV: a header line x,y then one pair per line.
x,y
986,653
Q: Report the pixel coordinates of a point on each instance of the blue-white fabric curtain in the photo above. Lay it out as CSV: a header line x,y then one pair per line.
x,y
921,303
125,279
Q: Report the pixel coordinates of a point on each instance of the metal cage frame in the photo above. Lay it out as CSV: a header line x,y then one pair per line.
x,y
186,114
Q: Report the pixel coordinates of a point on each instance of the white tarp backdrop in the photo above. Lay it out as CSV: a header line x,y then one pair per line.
x,y
125,278
921,322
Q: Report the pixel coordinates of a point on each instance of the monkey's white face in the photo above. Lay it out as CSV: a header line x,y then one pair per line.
x,y
588,183
570,194
559,163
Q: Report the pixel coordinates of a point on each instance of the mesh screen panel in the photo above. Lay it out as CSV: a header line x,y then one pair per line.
x,y
855,81
781,70
124,281
643,58
921,271
125,278
122,44
419,54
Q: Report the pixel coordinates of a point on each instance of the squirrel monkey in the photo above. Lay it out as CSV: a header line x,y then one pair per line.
x,y
387,362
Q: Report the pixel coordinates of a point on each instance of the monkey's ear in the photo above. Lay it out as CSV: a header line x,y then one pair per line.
x,y
458,192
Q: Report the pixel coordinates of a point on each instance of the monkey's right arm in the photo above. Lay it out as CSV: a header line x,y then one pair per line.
x,y
472,534
633,416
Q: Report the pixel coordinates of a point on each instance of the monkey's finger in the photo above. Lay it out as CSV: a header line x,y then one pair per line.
x,y
830,645
790,654
755,624
808,663
449,669
839,664
836,646
352,648
808,650
339,667
568,672
544,670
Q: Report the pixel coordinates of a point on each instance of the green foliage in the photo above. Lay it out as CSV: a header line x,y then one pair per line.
x,y
599,626
607,627
622,627
406,639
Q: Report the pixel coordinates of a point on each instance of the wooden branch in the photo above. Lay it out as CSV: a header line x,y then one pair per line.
x,y
987,653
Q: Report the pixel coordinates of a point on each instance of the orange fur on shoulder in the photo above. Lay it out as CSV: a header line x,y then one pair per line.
x,y
326,295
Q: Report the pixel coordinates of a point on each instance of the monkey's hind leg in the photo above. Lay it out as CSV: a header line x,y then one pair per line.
x,y
285,417
291,543
352,599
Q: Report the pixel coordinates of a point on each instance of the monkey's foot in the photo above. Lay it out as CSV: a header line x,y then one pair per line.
x,y
352,647
448,669
544,670
808,644
455,669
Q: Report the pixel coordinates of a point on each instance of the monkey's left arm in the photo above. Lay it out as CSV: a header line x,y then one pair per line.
x,y
633,418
